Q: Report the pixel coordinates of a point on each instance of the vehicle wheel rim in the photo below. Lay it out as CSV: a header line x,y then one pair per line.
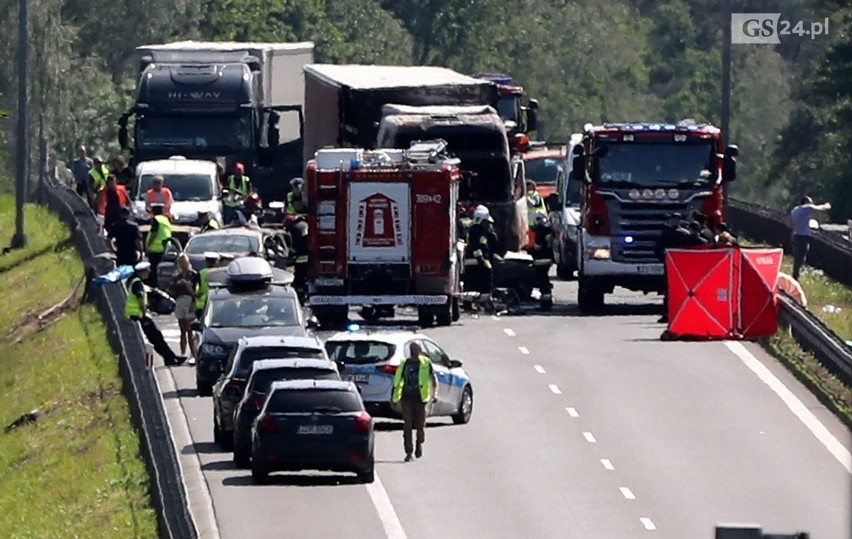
x,y
467,404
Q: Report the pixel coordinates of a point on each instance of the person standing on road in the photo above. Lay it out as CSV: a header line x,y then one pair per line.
x,y
125,239
799,221
298,228
212,260
123,174
134,309
413,386
159,194
158,235
535,203
206,221
183,289
237,184
80,168
97,178
542,254
674,236
479,255
111,198
296,197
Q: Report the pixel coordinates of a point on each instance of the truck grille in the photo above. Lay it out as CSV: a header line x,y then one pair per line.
x,y
642,222
375,279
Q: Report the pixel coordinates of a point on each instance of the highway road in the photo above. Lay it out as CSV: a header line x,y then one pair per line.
x,y
583,427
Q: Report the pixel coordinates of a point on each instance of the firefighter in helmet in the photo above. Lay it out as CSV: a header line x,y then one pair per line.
x,y
479,256
297,226
542,253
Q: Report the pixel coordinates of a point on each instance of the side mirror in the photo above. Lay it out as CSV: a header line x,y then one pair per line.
x,y
578,169
313,323
195,325
456,363
729,163
532,115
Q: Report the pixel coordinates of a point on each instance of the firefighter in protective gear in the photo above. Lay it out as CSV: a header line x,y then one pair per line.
x,y
479,256
542,254
237,184
297,225
296,197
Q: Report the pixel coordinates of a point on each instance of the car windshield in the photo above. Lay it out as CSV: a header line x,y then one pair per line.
x,y
543,170
253,312
184,187
227,133
250,355
223,243
359,352
654,165
306,401
261,380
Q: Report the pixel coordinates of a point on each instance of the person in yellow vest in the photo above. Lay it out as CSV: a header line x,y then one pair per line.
x,y
97,178
155,245
135,310
296,197
535,203
207,222
413,386
240,184
212,260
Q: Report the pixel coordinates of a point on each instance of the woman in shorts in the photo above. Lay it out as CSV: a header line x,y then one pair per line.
x,y
183,290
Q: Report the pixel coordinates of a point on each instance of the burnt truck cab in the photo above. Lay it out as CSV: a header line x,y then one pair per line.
x,y
476,135
518,118
632,177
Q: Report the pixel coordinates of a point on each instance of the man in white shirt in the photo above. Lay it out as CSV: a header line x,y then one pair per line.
x,y
800,218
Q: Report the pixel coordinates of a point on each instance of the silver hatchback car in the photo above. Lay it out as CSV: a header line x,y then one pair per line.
x,y
370,359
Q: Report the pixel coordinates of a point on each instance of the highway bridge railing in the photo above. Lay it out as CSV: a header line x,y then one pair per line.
x,y
147,411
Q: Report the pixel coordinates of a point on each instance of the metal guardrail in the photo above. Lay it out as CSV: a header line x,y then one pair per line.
x,y
815,337
139,387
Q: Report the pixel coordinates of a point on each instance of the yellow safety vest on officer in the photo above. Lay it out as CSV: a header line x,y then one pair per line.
x,y
98,175
535,206
164,232
424,378
133,308
203,289
239,185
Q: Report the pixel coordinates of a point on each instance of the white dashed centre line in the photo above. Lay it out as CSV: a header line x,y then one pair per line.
x,y
524,350
572,412
607,465
648,523
555,389
627,493
509,332
539,369
589,437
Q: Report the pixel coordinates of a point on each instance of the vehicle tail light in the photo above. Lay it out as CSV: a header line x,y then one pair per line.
x,y
257,401
387,369
266,424
355,457
235,384
363,423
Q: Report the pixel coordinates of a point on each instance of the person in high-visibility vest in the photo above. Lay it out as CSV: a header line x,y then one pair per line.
x,y
542,254
135,309
159,194
296,197
212,260
97,178
238,184
111,198
207,222
298,227
413,387
535,203
158,235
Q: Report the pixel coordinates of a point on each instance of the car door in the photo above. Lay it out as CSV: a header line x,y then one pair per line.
x,y
444,393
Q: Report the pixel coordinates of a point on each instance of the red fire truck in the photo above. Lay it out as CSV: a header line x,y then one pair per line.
x,y
383,232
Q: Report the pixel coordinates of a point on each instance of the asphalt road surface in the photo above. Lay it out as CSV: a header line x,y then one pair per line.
x,y
583,427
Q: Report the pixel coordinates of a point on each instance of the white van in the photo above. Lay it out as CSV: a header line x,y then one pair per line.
x,y
193,182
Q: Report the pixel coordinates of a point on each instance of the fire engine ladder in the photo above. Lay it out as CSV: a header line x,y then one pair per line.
x,y
327,193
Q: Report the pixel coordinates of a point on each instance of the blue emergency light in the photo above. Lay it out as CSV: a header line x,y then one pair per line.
x,y
628,239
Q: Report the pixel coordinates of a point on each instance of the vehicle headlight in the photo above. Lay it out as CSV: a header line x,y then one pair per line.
x,y
599,253
213,350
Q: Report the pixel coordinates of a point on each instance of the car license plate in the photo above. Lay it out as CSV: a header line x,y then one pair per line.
x,y
650,270
358,378
316,429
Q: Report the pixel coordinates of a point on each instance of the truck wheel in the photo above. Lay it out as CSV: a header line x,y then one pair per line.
x,y
425,316
590,296
564,272
444,316
456,309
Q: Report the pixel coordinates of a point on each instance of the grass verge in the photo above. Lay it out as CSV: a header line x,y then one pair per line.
x,y
828,300
76,472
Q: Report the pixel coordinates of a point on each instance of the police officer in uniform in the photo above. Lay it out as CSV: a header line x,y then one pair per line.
x,y
134,309
160,232
237,183
480,251
298,228
203,289
207,222
542,254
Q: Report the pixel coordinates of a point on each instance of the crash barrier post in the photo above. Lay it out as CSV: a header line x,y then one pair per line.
x,y
139,386
829,252
149,355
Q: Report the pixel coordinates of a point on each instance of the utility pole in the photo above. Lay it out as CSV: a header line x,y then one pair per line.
x,y
726,77
19,240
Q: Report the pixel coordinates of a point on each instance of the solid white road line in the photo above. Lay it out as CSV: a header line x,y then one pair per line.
x,y
555,389
627,493
589,437
539,369
572,412
607,465
648,523
509,332
794,404
524,350
384,507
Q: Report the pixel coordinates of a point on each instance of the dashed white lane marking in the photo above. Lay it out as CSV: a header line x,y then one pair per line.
x,y
555,389
539,369
509,332
607,465
794,404
524,350
627,493
589,437
648,523
572,412
384,507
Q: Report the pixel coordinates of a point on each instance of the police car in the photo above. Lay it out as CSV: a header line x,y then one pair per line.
x,y
370,357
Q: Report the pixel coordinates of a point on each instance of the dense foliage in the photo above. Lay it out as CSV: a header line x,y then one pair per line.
x,y
584,60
